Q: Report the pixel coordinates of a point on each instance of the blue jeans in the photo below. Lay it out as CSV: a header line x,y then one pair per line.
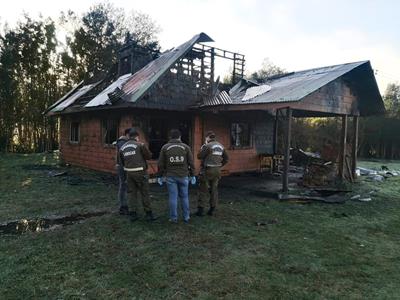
x,y
178,187
122,190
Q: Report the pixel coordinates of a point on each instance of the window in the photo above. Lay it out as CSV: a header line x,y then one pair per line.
x,y
110,131
240,135
74,132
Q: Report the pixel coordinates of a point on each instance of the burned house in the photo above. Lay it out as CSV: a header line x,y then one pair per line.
x,y
178,89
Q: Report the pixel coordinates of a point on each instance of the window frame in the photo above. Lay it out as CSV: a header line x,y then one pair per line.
x,y
105,130
77,141
250,136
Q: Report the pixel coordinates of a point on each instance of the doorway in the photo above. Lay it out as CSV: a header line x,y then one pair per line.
x,y
157,131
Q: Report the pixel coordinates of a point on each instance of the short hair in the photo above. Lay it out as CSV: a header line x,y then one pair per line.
x,y
210,135
127,131
175,134
133,132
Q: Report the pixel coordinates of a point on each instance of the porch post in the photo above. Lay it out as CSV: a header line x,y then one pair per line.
x,y
288,133
354,147
342,156
275,138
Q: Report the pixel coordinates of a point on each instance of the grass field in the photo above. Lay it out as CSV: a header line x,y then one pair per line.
x,y
314,251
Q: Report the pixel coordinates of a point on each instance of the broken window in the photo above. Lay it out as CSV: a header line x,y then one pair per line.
x,y
240,135
110,131
74,132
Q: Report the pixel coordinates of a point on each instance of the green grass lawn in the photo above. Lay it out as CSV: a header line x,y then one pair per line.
x,y
314,251
377,164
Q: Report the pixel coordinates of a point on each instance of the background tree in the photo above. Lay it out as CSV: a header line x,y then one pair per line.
x,y
268,69
9,93
392,100
379,135
93,44
29,83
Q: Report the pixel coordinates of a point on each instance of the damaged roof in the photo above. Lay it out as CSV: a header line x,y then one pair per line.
x,y
129,90
295,86
130,87
142,80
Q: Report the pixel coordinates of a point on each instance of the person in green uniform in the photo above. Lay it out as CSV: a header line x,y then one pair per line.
x,y
175,164
133,156
122,189
213,157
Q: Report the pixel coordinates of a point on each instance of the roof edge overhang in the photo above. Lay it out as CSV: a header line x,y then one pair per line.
x,y
103,110
369,91
121,106
326,81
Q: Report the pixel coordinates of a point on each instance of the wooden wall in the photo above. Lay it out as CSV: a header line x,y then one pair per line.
x,y
335,97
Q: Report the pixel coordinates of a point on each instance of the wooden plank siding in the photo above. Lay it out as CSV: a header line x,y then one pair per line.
x,y
336,98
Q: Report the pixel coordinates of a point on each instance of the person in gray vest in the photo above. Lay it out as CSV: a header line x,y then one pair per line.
x,y
122,187
133,155
213,157
176,164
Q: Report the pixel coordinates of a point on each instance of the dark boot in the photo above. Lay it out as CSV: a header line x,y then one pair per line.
x,y
133,216
150,217
200,212
211,211
124,211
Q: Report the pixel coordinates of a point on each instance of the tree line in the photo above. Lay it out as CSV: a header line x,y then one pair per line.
x,y
380,136
41,59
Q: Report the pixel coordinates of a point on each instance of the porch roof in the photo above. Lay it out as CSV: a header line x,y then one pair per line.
x,y
291,88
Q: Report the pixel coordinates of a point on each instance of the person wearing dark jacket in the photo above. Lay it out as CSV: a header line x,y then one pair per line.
x,y
176,164
122,188
213,157
133,155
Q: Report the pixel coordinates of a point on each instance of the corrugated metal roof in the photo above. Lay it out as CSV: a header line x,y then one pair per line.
x,y
63,98
255,91
241,85
103,97
294,86
70,100
220,99
142,80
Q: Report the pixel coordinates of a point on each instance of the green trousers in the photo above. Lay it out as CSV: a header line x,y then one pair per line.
x,y
208,187
138,183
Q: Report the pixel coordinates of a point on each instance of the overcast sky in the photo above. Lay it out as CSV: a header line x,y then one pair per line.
x,y
293,34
